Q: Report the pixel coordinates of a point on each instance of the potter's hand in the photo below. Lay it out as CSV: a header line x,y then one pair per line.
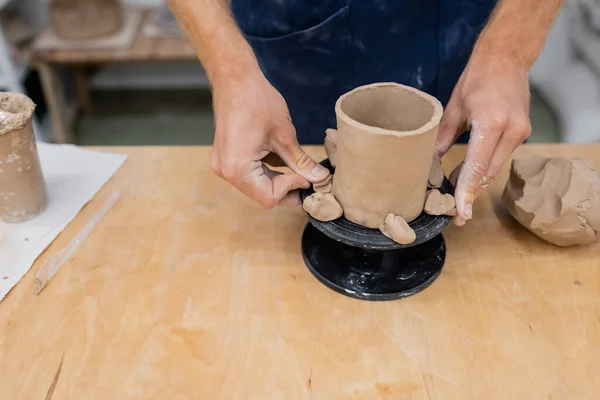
x,y
253,125
491,99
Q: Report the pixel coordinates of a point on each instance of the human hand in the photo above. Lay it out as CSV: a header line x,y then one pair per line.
x,y
491,99
253,128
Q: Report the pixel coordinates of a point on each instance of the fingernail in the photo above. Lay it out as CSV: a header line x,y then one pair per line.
x,y
469,211
319,172
458,221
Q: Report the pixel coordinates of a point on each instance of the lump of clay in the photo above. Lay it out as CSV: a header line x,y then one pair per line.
x,y
397,229
322,206
439,204
86,19
331,139
558,199
323,187
436,174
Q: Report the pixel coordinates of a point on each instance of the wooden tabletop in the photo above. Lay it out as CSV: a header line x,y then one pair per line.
x,y
187,290
144,49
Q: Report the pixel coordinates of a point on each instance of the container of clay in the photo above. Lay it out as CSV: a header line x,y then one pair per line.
x,y
387,134
22,188
86,19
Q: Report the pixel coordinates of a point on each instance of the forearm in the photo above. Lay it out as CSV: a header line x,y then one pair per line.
x,y
219,44
517,30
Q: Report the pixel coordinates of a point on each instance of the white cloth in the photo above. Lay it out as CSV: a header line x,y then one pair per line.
x,y
73,177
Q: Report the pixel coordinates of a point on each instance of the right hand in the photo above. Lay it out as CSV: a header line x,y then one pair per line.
x,y
253,128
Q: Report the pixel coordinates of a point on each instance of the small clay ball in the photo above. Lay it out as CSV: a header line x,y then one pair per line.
x,y
331,139
439,204
322,206
396,228
436,174
325,186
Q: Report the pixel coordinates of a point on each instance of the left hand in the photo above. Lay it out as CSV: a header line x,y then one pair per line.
x,y
491,99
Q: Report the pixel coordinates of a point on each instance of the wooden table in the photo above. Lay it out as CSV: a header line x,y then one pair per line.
x,y
187,290
82,63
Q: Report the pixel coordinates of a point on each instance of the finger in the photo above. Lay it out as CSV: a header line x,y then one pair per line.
x,y
455,173
273,160
215,161
482,143
451,127
286,145
292,199
516,133
457,219
261,184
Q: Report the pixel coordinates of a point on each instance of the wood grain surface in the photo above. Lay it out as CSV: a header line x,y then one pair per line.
x,y
187,290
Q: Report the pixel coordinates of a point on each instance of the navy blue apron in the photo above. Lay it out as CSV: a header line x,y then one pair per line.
x,y
313,51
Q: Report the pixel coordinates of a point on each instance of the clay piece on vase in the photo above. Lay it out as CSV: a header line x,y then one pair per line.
x,y
22,187
86,19
436,174
558,199
331,138
322,206
325,186
398,230
385,141
440,204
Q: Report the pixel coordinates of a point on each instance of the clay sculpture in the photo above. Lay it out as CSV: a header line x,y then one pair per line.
x,y
439,204
322,206
398,230
86,19
558,199
382,153
22,188
386,134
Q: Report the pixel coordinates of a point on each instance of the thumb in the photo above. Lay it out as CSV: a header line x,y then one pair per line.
x,y
287,147
451,126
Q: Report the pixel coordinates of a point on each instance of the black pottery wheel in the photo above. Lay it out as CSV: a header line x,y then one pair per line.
x,y
363,263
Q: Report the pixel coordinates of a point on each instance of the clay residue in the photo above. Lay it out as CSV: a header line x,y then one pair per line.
x,y
86,19
558,199
439,204
436,174
325,186
398,230
322,206
15,111
331,139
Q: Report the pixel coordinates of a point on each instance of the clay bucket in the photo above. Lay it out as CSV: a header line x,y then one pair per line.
x,y
387,134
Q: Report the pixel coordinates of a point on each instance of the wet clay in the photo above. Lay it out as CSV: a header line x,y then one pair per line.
x,y
397,229
386,135
436,174
86,19
331,138
22,187
558,199
325,186
439,204
322,206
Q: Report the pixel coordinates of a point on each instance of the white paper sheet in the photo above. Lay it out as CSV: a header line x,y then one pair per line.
x,y
73,177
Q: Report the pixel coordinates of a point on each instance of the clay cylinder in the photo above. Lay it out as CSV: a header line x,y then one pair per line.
x,y
86,19
387,134
22,188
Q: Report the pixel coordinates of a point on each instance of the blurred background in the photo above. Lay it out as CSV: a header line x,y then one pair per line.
x,y
122,73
